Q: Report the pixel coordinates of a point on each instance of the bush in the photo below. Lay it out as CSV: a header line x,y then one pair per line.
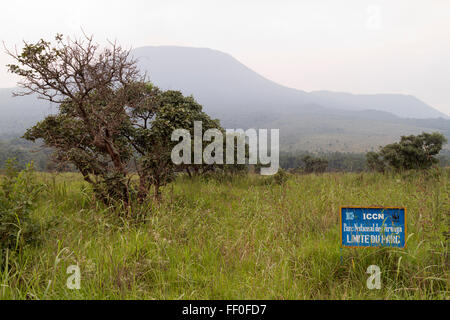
x,y
411,153
18,193
280,178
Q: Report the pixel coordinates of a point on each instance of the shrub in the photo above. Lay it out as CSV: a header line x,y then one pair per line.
x,y
280,178
411,153
18,193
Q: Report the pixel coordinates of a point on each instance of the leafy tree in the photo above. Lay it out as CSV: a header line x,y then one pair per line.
x,y
110,120
89,86
412,152
152,121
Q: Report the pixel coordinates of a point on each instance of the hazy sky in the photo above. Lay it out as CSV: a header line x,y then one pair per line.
x,y
357,46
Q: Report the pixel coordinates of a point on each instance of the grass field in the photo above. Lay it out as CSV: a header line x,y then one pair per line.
x,y
234,238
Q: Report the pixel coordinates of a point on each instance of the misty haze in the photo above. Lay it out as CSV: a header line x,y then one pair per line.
x,y
210,157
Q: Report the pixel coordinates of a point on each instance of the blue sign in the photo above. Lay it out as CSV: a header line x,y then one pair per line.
x,y
373,227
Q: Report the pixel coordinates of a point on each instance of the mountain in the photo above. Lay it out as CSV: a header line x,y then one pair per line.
x,y
19,113
218,81
241,98
316,121
406,106
223,84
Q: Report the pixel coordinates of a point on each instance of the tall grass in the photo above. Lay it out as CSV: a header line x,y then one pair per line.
x,y
237,238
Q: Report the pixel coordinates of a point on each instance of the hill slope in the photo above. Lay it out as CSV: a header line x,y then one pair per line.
x,y
317,121
19,113
223,84
241,98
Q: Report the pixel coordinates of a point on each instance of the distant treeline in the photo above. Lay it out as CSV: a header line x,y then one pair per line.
x,y
444,158
24,152
337,161
341,161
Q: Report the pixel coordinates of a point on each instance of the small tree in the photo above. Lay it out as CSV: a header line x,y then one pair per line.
x,y
88,84
150,130
412,152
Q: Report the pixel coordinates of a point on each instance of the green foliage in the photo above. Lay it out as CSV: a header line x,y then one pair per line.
x,y
111,121
412,152
18,194
281,177
313,165
374,162
142,138
149,130
278,179
210,237
24,152
337,161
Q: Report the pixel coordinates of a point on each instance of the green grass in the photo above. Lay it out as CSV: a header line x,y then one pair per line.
x,y
234,239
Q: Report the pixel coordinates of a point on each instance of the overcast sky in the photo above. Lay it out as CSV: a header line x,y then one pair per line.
x,y
357,46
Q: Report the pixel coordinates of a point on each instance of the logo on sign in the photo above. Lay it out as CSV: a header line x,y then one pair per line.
x,y
396,217
350,216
